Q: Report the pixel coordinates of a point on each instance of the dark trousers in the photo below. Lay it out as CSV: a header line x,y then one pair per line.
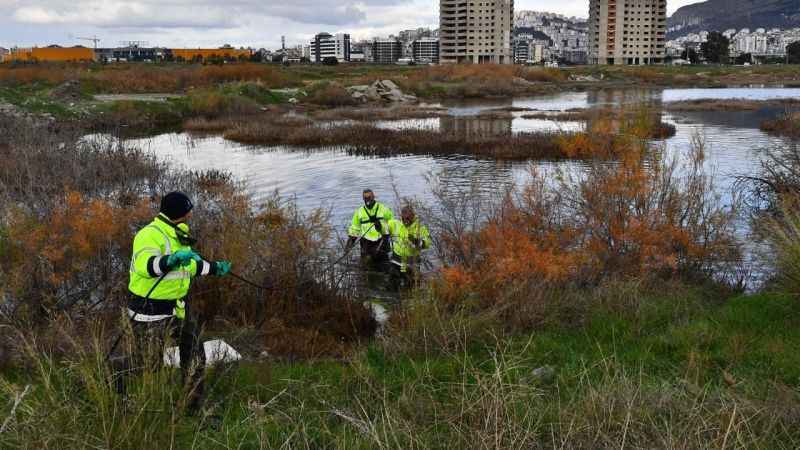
x,y
147,353
398,277
375,253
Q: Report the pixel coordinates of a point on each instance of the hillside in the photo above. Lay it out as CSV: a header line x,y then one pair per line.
x,y
738,14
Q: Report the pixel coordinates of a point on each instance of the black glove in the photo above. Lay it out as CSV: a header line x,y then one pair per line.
x,y
377,223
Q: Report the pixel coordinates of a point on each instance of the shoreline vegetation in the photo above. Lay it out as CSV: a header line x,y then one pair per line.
x,y
365,138
787,124
169,94
599,308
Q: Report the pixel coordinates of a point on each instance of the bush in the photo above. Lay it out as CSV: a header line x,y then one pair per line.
x,y
212,103
544,74
331,95
777,182
633,218
66,243
42,73
787,124
784,234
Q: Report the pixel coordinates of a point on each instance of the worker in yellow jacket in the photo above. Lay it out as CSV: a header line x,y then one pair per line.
x,y
162,267
370,227
409,237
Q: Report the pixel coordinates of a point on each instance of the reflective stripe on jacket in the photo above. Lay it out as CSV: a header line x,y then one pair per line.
x,y
363,223
402,245
151,248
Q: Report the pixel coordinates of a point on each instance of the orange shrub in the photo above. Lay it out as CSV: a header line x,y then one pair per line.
x,y
70,255
639,216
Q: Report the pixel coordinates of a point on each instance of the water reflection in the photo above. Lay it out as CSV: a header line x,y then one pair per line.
x,y
334,179
471,126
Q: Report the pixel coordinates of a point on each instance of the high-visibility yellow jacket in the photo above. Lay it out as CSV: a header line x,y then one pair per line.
x,y
402,238
151,248
365,222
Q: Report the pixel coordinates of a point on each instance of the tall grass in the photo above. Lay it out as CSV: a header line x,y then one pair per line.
x,y
143,78
783,233
664,369
788,124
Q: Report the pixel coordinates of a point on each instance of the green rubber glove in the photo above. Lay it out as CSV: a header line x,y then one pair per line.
x,y
182,258
222,268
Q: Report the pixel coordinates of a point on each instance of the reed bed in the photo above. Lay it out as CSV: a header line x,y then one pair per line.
x,y
787,124
736,104
365,139
369,114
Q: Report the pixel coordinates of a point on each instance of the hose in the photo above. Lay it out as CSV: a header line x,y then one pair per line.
x,y
146,299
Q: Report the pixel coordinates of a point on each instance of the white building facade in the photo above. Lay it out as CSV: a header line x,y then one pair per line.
x,y
326,45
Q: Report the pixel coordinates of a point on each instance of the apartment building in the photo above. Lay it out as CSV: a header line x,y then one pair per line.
x,y
386,51
627,32
475,32
425,50
326,45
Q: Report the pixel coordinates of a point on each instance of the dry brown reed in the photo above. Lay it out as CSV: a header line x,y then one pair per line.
x,y
788,124
370,140
136,78
738,104
368,114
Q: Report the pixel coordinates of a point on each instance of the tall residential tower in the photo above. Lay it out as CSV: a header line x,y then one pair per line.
x,y
473,31
627,31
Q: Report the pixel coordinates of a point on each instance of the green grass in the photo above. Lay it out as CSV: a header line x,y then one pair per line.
x,y
671,371
36,99
141,114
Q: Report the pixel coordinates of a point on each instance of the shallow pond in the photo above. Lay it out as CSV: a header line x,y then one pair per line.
x,y
334,179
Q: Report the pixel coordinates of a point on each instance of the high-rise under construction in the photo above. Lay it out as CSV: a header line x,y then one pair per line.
x,y
475,31
627,31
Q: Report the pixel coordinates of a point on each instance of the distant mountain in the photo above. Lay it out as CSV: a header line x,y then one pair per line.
x,y
721,15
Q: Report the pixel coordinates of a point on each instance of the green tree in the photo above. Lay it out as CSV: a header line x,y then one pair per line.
x,y
690,54
744,58
793,53
715,48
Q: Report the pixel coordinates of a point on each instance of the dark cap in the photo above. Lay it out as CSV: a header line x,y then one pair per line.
x,y
176,205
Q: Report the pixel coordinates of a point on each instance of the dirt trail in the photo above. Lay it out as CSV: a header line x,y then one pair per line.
x,y
136,97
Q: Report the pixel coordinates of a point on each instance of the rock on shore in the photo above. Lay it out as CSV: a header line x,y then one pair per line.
x,y
384,90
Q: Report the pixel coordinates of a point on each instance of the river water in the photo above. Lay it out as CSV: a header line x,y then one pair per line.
x,y
333,179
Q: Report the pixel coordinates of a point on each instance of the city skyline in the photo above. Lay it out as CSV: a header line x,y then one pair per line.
x,y
237,22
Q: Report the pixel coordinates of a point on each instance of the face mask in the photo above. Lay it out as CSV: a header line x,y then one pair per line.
x,y
369,202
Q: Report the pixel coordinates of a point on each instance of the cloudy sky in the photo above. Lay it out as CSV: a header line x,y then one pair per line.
x,y
199,23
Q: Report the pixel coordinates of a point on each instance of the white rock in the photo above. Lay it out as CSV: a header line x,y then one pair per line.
x,y
390,84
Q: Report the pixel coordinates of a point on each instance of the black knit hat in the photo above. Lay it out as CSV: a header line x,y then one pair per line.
x,y
176,205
